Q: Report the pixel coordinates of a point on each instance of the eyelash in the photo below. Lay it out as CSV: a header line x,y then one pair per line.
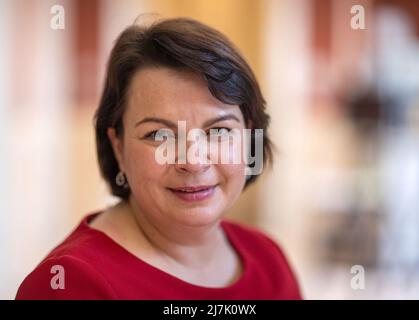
x,y
219,128
151,135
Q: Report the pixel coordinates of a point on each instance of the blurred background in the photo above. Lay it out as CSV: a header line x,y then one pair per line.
x,y
344,102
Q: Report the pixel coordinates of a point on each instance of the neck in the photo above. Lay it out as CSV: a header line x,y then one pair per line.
x,y
190,246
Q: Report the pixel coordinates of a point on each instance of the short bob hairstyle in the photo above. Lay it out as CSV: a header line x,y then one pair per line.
x,y
185,44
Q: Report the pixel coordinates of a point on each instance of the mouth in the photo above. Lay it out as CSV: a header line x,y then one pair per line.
x,y
194,193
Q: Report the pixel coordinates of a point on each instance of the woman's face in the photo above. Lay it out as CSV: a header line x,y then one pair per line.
x,y
157,99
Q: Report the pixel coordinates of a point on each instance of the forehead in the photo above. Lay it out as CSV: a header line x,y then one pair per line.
x,y
174,94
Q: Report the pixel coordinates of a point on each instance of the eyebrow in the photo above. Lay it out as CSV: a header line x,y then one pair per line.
x,y
171,124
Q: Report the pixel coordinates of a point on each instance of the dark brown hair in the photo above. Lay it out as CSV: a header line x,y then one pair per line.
x,y
180,44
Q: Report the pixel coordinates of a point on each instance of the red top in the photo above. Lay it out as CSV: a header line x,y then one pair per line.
x,y
96,267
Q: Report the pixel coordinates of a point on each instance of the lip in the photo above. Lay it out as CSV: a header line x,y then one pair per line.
x,y
194,193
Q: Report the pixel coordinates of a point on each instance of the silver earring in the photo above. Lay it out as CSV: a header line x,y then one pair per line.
x,y
121,180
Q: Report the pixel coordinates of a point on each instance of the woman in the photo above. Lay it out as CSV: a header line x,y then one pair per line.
x,y
166,238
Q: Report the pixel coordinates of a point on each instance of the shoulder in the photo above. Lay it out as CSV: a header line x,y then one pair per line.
x,y
265,255
64,277
69,271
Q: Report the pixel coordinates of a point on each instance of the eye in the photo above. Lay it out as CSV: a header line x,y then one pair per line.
x,y
151,135
163,132
220,131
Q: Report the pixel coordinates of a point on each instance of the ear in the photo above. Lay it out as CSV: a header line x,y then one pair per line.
x,y
117,147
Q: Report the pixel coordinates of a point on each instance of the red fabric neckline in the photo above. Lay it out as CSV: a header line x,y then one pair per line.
x,y
84,226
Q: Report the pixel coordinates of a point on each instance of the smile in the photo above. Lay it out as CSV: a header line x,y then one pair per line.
x,y
194,193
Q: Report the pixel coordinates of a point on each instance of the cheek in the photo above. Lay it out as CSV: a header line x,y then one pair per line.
x,y
233,176
233,180
142,167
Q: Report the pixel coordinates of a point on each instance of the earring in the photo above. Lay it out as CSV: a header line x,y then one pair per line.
x,y
121,180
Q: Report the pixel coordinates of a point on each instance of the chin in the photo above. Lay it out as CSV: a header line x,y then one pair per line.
x,y
198,216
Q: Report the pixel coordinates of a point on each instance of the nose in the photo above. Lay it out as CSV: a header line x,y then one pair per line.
x,y
189,167
187,163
